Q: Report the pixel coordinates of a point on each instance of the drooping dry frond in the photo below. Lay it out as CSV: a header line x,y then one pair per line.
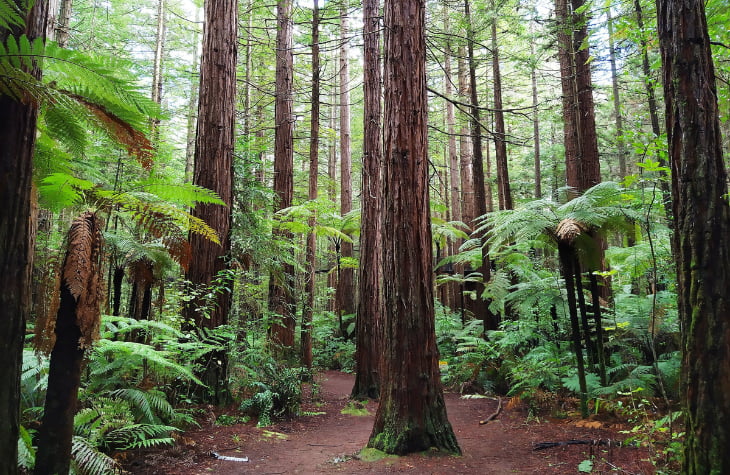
x,y
135,141
569,229
81,274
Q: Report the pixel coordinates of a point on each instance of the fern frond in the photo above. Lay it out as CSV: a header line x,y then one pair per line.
x,y
183,194
10,15
129,349
88,460
26,452
140,436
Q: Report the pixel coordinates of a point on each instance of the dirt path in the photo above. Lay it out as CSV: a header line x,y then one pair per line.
x,y
328,443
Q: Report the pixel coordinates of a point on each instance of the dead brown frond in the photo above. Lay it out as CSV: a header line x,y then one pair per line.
x,y
569,229
136,142
81,274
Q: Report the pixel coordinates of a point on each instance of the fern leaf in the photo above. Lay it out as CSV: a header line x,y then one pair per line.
x,y
88,460
10,15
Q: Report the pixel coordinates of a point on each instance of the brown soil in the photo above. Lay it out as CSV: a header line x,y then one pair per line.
x,y
331,442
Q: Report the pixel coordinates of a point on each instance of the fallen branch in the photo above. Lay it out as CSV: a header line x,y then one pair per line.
x,y
230,459
495,414
591,442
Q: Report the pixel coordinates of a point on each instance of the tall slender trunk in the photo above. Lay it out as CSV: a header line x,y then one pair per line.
x,y
345,286
482,311
309,287
192,106
465,146
620,144
370,307
504,192
535,122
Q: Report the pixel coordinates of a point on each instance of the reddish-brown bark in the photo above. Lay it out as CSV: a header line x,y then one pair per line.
x,y
412,415
702,214
369,309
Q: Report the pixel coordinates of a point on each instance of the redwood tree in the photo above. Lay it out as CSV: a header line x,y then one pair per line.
x,y
213,170
369,309
702,220
412,415
281,299
17,136
308,310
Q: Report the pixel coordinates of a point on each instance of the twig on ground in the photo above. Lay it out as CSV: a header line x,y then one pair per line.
x,y
494,414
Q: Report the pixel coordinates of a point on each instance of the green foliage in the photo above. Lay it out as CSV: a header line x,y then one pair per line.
x,y
88,460
331,350
277,391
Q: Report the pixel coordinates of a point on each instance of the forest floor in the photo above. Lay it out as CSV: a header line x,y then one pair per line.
x,y
326,440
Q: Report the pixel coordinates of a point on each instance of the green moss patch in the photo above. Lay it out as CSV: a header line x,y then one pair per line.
x,y
374,455
356,408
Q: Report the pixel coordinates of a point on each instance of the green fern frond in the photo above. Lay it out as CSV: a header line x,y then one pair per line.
x,y
89,460
183,194
11,15
138,351
26,451
140,436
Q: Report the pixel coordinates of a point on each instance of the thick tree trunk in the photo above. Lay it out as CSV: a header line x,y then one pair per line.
x,y
281,283
76,326
17,136
214,170
702,214
310,280
411,416
369,307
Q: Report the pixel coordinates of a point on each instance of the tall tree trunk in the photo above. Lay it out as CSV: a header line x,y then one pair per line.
x,y
702,214
281,283
481,310
411,416
309,287
504,192
620,144
157,67
345,287
465,147
63,22
214,170
192,107
369,307
535,122
76,327
17,136
654,116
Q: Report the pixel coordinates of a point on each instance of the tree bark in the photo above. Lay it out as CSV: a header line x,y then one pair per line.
x,y
192,108
481,310
504,192
17,136
76,326
620,144
309,286
702,214
213,170
411,416
369,307
535,123
281,283
345,285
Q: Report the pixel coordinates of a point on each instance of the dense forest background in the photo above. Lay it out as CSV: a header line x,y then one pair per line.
x,y
212,199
